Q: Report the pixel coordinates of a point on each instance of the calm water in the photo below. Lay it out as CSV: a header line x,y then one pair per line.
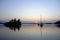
x,y
30,32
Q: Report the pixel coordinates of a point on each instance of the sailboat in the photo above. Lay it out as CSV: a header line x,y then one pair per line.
x,y
40,24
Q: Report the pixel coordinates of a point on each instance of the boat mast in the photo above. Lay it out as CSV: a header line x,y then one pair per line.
x,y
41,24
40,19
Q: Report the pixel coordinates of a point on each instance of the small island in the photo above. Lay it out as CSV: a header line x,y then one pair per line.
x,y
57,23
13,22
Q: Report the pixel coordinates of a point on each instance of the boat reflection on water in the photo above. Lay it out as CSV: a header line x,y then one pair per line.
x,y
41,26
14,27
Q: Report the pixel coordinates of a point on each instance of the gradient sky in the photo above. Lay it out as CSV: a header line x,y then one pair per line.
x,y
30,9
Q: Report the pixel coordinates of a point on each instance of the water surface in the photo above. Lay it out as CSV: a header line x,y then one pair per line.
x,y
30,32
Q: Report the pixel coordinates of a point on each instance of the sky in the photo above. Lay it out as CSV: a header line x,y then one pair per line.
x,y
30,10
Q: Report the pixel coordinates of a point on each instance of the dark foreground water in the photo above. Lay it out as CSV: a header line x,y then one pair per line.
x,y
30,32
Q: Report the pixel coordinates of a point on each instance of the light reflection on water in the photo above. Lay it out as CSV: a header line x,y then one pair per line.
x,y
30,32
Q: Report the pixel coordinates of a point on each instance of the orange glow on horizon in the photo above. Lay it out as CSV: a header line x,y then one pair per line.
x,y
35,19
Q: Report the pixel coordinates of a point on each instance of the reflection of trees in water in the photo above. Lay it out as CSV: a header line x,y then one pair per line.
x,y
14,27
57,25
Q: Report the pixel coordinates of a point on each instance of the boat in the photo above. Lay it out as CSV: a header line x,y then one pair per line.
x,y
40,24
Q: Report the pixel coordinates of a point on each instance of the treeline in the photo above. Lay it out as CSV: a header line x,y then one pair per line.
x,y
13,22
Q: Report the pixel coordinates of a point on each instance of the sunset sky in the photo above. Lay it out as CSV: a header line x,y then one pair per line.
x,y
30,10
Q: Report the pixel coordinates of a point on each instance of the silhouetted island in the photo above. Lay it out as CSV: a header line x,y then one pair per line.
x,y
57,23
13,22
